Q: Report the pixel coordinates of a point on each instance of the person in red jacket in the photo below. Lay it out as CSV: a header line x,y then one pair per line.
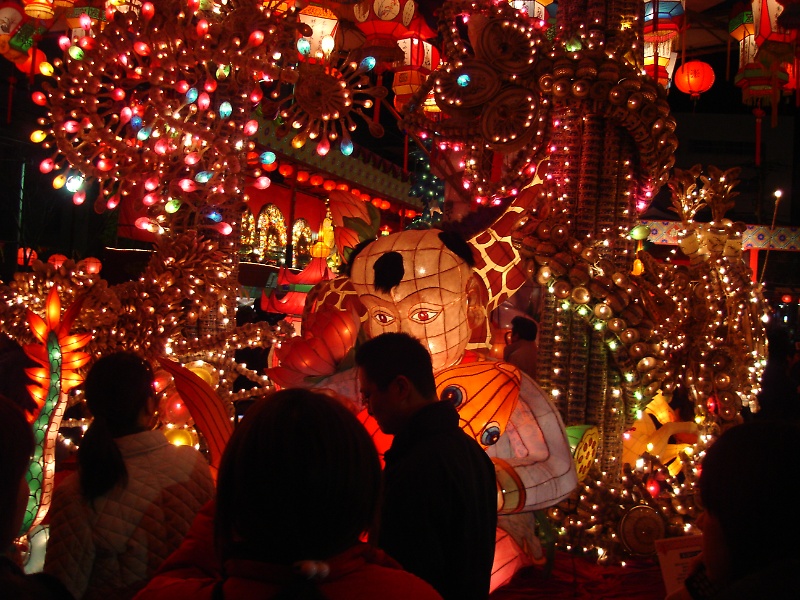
x,y
298,487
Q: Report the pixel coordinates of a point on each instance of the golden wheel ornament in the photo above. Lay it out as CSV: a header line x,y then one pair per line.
x,y
509,120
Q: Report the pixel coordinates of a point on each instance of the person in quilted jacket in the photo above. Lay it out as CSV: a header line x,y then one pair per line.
x,y
134,496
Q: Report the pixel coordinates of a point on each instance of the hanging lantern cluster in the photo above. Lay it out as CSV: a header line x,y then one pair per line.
x,y
766,55
316,39
324,102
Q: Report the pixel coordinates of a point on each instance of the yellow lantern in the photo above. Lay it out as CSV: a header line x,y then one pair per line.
x,y
180,437
40,9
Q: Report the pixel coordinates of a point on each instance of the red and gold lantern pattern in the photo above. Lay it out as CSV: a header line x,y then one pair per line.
x,y
384,22
420,58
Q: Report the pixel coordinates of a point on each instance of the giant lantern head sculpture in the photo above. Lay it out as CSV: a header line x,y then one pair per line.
x,y
420,283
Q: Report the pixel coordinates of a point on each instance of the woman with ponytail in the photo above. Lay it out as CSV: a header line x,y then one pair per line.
x,y
135,495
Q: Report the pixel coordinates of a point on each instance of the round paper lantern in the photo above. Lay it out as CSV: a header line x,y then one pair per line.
x,y
57,260
174,411
93,265
383,23
694,78
33,62
180,437
26,256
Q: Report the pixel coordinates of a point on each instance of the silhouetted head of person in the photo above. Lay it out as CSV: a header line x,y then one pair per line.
x,y
395,376
524,329
298,481
747,482
120,395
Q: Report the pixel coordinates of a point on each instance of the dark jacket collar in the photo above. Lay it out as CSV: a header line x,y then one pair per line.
x,y
433,419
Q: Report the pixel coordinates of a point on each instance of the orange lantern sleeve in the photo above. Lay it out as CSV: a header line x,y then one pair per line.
x,y
484,393
694,78
208,413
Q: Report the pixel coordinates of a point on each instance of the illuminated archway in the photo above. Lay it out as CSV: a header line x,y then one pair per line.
x,y
301,243
270,234
248,233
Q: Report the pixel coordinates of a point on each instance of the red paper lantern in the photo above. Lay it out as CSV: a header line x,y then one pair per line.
x,y
286,170
786,298
383,22
694,78
57,260
419,59
25,256
302,176
329,185
93,265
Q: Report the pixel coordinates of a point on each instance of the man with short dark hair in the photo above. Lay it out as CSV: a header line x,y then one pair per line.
x,y
439,511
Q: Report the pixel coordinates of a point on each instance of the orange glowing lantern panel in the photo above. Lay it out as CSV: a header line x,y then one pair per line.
x,y
765,22
694,78
419,59
321,23
484,393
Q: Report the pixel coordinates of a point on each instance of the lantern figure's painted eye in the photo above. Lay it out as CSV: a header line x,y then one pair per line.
x,y
490,434
453,394
424,315
383,318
